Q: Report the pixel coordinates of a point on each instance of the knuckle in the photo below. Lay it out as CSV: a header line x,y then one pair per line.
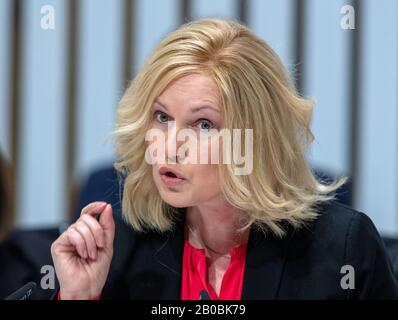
x,y
71,232
98,229
81,227
93,224
89,220
79,224
74,236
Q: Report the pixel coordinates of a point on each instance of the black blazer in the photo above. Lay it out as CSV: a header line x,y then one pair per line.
x,y
306,264
22,255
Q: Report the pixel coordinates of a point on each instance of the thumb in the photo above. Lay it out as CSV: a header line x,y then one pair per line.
x,y
108,224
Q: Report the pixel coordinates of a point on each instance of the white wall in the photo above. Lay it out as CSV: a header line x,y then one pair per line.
x,y
327,81
273,21
100,79
209,8
378,192
154,20
41,181
5,33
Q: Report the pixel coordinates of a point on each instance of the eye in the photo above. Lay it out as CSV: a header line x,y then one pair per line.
x,y
161,117
204,125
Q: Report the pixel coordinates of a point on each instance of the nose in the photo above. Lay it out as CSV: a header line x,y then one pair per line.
x,y
172,144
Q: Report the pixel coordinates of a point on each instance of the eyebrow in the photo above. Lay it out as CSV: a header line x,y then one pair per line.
x,y
195,109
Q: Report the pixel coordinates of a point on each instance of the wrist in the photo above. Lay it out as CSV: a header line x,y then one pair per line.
x,y
65,295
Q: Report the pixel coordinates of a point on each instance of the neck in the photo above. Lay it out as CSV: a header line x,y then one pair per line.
x,y
216,227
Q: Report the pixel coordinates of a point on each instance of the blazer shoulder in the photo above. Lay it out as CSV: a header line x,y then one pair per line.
x,y
337,219
352,235
332,231
333,211
343,225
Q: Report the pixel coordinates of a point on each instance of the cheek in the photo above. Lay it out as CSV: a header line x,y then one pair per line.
x,y
209,151
206,179
154,174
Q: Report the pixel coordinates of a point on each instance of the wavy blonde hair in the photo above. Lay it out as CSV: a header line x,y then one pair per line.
x,y
256,93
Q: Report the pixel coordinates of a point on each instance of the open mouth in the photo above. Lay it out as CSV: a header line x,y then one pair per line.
x,y
170,177
170,174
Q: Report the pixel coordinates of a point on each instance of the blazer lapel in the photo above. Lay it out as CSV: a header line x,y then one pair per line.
x,y
265,262
169,255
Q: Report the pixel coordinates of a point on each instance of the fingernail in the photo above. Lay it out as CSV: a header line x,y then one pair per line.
x,y
100,204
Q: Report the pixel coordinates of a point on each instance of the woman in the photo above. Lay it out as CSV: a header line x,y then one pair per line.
x,y
210,229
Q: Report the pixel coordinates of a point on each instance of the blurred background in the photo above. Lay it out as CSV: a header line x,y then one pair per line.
x,y
65,64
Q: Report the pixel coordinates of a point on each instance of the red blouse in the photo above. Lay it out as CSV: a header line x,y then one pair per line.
x,y
194,274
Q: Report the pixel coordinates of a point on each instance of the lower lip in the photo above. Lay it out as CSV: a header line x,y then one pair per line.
x,y
171,181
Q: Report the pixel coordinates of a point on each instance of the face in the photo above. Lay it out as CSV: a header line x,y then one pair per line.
x,y
189,102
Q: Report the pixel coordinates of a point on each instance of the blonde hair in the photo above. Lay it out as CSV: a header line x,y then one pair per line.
x,y
256,93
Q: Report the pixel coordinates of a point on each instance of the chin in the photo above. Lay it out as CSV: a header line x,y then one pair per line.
x,y
174,200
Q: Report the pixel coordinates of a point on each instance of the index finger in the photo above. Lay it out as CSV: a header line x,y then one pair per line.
x,y
94,208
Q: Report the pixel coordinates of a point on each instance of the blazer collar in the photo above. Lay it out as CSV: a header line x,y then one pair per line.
x,y
265,262
168,253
